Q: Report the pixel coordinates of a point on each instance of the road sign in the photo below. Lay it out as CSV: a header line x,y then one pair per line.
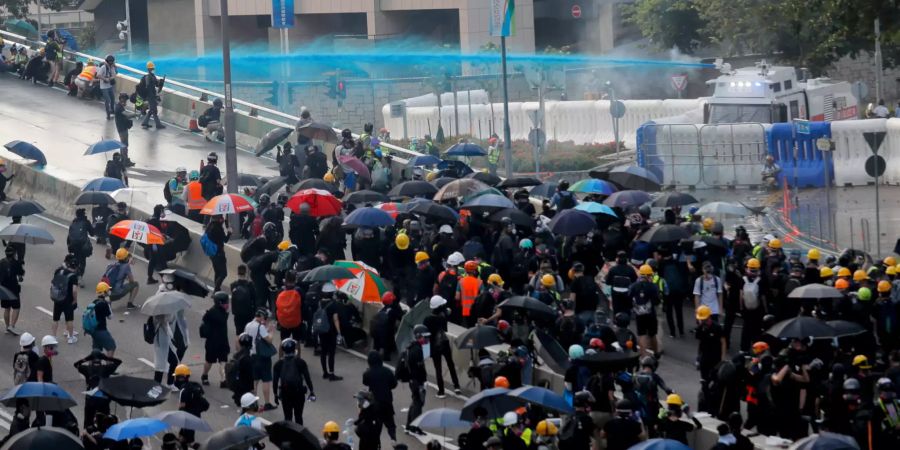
x,y
282,13
874,139
617,109
802,126
502,13
537,137
576,11
398,109
679,82
875,166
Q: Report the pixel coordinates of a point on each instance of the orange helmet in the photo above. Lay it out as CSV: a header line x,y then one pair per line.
x,y
842,284
884,286
501,382
471,266
760,347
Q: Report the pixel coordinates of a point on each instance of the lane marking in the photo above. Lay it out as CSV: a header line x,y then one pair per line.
x,y
147,362
4,424
44,310
6,415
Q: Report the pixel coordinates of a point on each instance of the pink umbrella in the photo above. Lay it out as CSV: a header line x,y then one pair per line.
x,y
353,163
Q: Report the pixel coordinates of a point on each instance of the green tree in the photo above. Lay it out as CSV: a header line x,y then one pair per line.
x,y
19,8
669,23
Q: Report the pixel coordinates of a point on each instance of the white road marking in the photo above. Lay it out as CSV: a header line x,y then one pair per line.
x,y
44,310
6,415
4,424
146,361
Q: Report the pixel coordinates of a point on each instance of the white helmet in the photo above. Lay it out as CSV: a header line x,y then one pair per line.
x,y
248,399
437,301
328,287
48,340
180,169
455,259
510,419
445,229
26,339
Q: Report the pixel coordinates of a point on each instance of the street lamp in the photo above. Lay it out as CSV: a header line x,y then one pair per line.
x,y
230,136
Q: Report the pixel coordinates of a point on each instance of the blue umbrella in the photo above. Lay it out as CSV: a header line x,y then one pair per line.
x,y
106,145
593,186
596,208
545,190
103,184
466,149
40,396
424,160
659,444
27,151
369,217
496,401
135,428
488,202
441,418
625,199
544,397
572,222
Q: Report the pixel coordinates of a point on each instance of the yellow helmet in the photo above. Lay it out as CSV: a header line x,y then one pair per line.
x,y
826,272
645,270
753,263
103,288
402,241
431,176
861,361
548,280
546,428
897,268
284,245
329,177
891,270
844,272
182,370
890,261
122,254
150,65
421,256
495,279
708,223
703,312
331,427
775,243
860,275
884,286
813,254
674,399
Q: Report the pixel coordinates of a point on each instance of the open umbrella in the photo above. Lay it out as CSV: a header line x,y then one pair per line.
x,y
365,196
488,203
465,149
846,328
248,179
596,208
106,145
572,222
390,208
168,302
826,441
478,337
723,210
593,186
126,195
314,183
543,397
103,184
318,132
671,199
271,139
237,438
434,211
137,231
21,208
544,190
271,187
816,291
441,419
188,282
663,234
321,203
413,317
298,436
228,204
133,391
496,401
551,352
328,273
185,420
26,234
518,217
442,181
453,168
485,177
40,397
659,444
626,199
530,305
20,26
43,438
519,182
460,188
415,188
423,160
368,217
353,163
801,327
489,190
135,428
27,151
366,285
630,177
94,198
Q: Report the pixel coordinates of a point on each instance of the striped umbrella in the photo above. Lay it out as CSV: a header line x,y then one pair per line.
x,y
228,204
366,287
137,231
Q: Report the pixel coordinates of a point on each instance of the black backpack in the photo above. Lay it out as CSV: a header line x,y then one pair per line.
x,y
233,370
321,322
59,285
402,372
149,330
78,231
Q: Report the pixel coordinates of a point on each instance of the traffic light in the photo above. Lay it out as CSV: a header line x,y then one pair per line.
x,y
273,95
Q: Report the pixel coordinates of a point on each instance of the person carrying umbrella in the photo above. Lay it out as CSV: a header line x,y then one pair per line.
x,y
190,399
120,279
411,369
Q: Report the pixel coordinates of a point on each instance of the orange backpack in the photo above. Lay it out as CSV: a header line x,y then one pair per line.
x,y
287,309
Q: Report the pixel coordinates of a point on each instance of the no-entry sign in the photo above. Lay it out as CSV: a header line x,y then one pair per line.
x,y
576,11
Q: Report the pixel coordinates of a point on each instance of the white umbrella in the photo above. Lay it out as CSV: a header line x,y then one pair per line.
x,y
169,302
723,210
128,195
26,234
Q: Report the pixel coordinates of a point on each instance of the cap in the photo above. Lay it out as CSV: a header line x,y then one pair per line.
x,y
437,301
248,399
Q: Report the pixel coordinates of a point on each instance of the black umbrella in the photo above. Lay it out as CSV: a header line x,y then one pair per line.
x,y
517,182
319,132
663,234
801,327
484,177
633,177
434,211
551,352
670,199
626,199
315,183
270,187
495,401
711,241
188,282
237,438
298,436
610,361
94,198
413,189
328,273
572,222
43,438
846,328
826,441
488,203
365,196
544,190
248,179
479,337
519,218
442,181
271,139
133,391
530,305
816,291
21,208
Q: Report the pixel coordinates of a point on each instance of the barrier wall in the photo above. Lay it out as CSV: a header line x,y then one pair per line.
x,y
808,160
851,150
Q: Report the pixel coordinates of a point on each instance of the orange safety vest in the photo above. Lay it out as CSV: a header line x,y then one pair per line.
x,y
88,73
469,288
194,192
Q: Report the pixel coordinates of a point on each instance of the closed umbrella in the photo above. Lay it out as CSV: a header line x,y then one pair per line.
x,y
478,337
664,234
137,231
237,438
434,211
318,132
463,187
846,328
672,199
413,317
543,397
103,184
328,273
593,186
188,282
496,401
135,428
94,198
519,182
185,420
544,190
816,291
21,208
626,199
27,151
488,203
40,397
441,419
465,149
43,438
106,145
485,177
228,204
321,203
294,434
365,196
271,139
353,163
24,233
801,327
572,222
723,210
423,160
518,218
133,391
369,217
415,188
168,302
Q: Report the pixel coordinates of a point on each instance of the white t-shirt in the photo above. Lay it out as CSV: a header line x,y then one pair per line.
x,y
881,111
709,291
252,328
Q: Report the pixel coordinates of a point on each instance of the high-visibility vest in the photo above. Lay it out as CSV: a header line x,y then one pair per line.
x,y
891,415
88,74
194,195
469,288
494,154
176,187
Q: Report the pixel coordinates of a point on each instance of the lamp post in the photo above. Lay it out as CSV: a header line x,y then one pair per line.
x,y
507,135
230,137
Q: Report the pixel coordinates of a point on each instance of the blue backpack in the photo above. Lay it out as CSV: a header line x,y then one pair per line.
x,y
209,247
89,318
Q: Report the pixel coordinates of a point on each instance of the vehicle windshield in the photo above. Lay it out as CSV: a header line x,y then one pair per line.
x,y
719,113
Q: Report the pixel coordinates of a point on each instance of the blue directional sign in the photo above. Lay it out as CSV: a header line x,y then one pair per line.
x,y
282,13
802,126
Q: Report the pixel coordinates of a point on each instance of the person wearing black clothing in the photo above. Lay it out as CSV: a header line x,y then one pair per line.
x,y
69,79
12,273
44,364
123,124
211,121
78,239
672,427
384,326
368,424
115,169
214,328
210,177
381,382
436,322
291,382
241,381
156,260
624,430
677,279
303,230
149,89
242,303
190,400
95,367
218,232
316,162
3,180
65,308
418,350
620,277
584,291
583,426
288,166
330,340
423,280
101,337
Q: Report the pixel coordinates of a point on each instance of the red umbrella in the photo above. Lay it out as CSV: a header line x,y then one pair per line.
x,y
354,164
390,208
321,203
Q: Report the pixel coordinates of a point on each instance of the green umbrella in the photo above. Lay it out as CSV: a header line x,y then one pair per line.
x,y
412,318
20,26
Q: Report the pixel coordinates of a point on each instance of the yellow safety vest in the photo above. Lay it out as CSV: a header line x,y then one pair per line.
x,y
494,154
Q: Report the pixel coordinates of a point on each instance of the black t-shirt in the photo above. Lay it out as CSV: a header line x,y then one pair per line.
x,y
710,337
332,308
44,365
32,362
621,433
102,311
676,430
192,397
587,294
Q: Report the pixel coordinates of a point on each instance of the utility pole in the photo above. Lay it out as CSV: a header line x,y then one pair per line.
x,y
507,134
879,69
128,21
230,136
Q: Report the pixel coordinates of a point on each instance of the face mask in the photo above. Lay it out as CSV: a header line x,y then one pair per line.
x,y
170,286
426,350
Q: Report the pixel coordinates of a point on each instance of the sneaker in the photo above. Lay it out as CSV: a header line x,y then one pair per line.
x,y
325,376
457,391
160,127
417,431
204,380
72,340
74,332
441,395
334,377
130,306
268,407
146,127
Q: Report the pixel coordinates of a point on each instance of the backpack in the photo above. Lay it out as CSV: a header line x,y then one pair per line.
x,y
245,421
750,293
78,231
402,372
113,170
643,304
257,225
567,432
21,367
291,381
59,285
284,261
233,370
447,284
141,88
566,201
209,247
149,330
202,402
89,318
287,309
115,282
203,120
321,324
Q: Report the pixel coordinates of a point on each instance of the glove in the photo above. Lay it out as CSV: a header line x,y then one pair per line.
x,y
340,340
312,397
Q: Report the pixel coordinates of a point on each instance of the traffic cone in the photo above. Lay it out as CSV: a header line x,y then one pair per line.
x,y
192,125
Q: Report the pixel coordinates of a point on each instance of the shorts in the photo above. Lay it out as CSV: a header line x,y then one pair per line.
x,y
103,340
646,325
126,289
66,309
216,356
262,369
11,304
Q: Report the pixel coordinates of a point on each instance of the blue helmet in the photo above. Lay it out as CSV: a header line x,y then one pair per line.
x,y
526,243
194,175
576,351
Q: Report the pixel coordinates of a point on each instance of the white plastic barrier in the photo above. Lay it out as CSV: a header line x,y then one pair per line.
x,y
733,154
479,96
851,150
676,153
891,151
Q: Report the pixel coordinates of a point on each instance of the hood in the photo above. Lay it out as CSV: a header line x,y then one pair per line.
x,y
374,359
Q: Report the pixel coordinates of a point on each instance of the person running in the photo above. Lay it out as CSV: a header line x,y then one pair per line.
x,y
214,329
149,89
291,382
121,280
96,316
12,273
64,293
